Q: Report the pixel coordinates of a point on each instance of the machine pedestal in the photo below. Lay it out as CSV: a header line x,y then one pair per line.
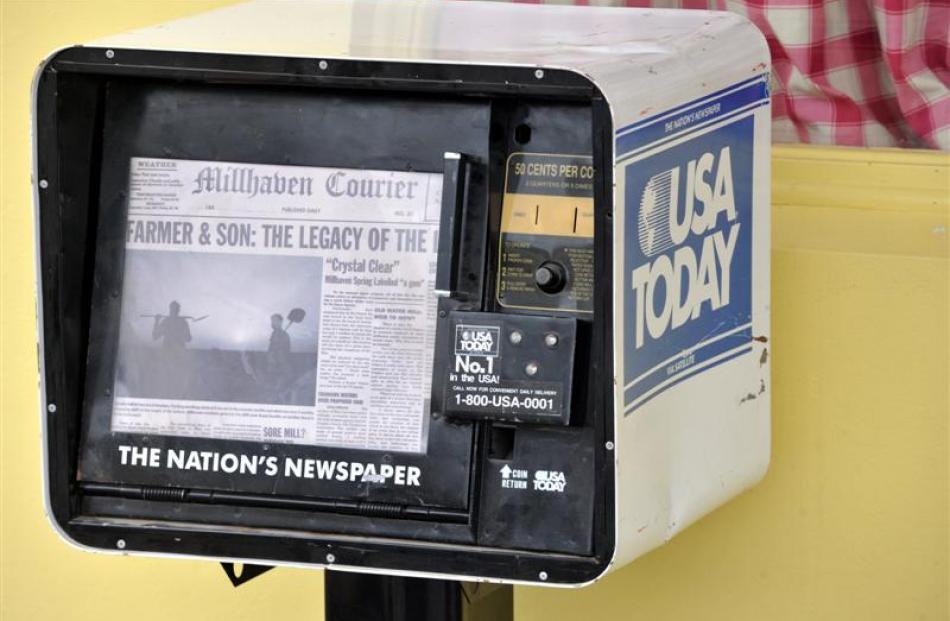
x,y
368,597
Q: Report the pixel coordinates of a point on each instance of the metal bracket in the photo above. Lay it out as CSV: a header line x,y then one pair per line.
x,y
248,572
454,198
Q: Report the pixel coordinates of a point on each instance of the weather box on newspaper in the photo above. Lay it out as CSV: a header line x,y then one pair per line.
x,y
457,290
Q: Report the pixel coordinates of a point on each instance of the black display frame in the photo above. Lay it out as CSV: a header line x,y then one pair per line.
x,y
143,118
66,141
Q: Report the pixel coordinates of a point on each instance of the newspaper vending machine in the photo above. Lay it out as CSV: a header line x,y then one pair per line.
x,y
465,291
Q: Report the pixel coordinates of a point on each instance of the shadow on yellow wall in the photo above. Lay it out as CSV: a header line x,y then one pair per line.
x,y
850,523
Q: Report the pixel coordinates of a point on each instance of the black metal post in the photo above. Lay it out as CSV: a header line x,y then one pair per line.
x,y
367,597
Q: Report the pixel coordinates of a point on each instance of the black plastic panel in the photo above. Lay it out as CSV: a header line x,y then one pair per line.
x,y
511,368
94,113
542,496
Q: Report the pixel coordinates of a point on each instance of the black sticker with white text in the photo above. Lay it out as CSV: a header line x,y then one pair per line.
x,y
514,368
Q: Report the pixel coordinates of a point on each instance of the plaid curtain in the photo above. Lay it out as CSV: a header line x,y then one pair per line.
x,y
864,73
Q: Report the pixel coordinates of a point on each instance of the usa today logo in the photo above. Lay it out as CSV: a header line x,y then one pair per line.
x,y
691,210
476,340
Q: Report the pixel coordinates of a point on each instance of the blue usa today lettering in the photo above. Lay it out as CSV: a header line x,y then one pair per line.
x,y
677,206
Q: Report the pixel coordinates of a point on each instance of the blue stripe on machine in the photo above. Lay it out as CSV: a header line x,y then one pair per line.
x,y
718,121
685,118
686,362
706,97
629,409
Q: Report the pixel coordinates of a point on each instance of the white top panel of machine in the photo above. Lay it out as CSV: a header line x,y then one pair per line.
x,y
673,55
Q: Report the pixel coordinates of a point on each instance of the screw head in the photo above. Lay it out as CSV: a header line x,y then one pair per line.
x,y
323,65
331,558
539,73
120,544
44,184
551,340
531,369
110,54
609,445
543,575
515,337
51,408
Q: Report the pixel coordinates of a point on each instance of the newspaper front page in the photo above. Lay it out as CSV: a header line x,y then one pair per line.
x,y
278,304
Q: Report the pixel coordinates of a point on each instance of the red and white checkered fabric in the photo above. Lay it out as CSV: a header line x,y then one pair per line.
x,y
868,73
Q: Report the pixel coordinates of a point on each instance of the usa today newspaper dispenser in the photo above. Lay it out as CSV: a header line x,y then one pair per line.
x,y
454,290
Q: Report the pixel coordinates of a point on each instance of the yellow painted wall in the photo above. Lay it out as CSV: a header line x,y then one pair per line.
x,y
850,523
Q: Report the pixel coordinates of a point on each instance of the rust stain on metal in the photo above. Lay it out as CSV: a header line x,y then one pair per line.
x,y
754,395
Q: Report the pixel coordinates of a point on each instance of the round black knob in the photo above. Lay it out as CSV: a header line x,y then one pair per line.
x,y
550,277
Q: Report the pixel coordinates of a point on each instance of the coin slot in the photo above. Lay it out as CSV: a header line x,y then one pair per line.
x,y
523,134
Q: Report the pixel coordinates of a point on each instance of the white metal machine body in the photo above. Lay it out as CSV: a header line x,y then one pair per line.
x,y
688,95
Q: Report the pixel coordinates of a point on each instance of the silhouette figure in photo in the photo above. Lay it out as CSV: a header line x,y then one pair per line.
x,y
175,334
279,368
172,329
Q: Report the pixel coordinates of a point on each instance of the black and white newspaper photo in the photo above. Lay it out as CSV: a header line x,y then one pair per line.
x,y
278,303
216,327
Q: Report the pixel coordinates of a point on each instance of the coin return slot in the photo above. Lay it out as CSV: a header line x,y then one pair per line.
x,y
501,442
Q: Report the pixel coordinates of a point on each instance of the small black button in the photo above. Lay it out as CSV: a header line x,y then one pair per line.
x,y
550,277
